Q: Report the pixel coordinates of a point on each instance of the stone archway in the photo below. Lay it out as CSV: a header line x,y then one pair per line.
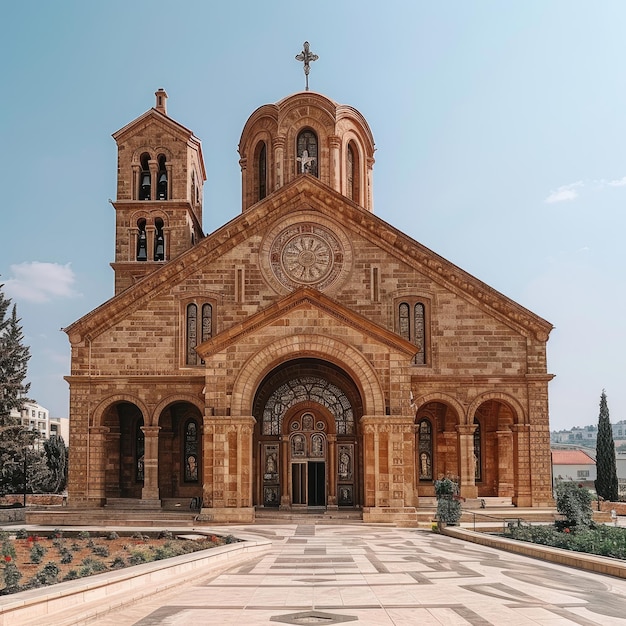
x,y
306,440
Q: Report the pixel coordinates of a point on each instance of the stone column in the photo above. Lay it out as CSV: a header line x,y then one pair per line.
x,y
96,487
505,463
279,162
332,472
243,164
285,496
521,455
467,460
335,163
369,191
150,489
228,488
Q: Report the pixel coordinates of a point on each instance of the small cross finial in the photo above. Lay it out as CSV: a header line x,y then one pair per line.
x,y
306,56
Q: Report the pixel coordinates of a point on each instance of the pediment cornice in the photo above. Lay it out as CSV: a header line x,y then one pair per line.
x,y
305,298
307,193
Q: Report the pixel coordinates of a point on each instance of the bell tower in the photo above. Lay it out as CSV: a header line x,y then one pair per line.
x,y
158,208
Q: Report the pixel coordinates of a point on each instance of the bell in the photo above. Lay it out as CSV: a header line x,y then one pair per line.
x,y
159,252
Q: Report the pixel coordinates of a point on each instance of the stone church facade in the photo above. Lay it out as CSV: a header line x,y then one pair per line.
x,y
307,353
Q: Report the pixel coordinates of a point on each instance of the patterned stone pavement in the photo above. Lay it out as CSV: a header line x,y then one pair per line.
x,y
379,576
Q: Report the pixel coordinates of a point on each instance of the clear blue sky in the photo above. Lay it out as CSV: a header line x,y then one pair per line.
x,y
500,130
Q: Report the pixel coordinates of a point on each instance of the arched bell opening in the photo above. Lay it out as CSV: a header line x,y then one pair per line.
x,y
307,450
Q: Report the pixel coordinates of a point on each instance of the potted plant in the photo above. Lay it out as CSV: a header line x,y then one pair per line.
x,y
448,501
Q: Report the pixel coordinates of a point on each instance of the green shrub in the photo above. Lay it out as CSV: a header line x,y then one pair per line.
x,y
166,534
22,533
574,503
138,556
118,563
37,552
99,550
84,534
48,574
66,557
112,535
71,575
12,576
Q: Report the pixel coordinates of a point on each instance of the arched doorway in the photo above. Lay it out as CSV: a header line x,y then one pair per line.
x,y
307,451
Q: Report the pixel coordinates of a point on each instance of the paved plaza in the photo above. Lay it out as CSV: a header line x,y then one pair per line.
x,y
379,576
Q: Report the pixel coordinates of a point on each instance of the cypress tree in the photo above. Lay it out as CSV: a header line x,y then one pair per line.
x,y
14,357
606,481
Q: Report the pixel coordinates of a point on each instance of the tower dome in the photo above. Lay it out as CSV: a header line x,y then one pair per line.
x,y
307,134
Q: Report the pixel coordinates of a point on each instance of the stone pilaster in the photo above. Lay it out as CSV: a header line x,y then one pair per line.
x,y
150,490
467,461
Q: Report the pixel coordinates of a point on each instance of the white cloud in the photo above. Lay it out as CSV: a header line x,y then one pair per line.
x,y
41,282
620,182
564,193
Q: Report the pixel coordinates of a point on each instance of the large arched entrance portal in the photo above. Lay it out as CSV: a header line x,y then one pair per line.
x,y
307,451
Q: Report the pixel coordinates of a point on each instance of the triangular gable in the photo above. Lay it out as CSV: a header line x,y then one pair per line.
x,y
305,297
161,118
308,193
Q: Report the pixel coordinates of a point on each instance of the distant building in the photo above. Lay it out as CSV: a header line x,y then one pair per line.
x,y
574,465
37,418
587,435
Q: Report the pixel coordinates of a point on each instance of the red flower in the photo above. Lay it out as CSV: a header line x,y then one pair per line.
x,y
566,530
7,558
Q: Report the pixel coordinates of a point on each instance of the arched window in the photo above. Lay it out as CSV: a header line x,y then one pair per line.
x,y
190,451
425,450
478,474
352,173
198,330
139,451
262,171
207,322
162,179
142,240
411,325
405,329
192,334
159,240
418,332
307,157
145,182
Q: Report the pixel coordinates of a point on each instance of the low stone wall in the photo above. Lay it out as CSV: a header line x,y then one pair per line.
x,y
76,601
8,516
618,507
581,560
34,499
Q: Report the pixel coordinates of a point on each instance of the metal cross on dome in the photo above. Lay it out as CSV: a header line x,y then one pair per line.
x,y
306,56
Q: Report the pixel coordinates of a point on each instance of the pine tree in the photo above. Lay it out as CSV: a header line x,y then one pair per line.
x,y
606,481
14,357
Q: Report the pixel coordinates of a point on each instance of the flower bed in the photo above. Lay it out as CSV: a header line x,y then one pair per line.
x,y
28,561
600,540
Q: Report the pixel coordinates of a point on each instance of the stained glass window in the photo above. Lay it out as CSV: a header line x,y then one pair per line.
x,y
139,451
477,453
192,334
191,451
350,172
425,450
418,332
405,332
312,389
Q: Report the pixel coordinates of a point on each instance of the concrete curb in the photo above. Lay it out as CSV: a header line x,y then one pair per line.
x,y
580,560
72,601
